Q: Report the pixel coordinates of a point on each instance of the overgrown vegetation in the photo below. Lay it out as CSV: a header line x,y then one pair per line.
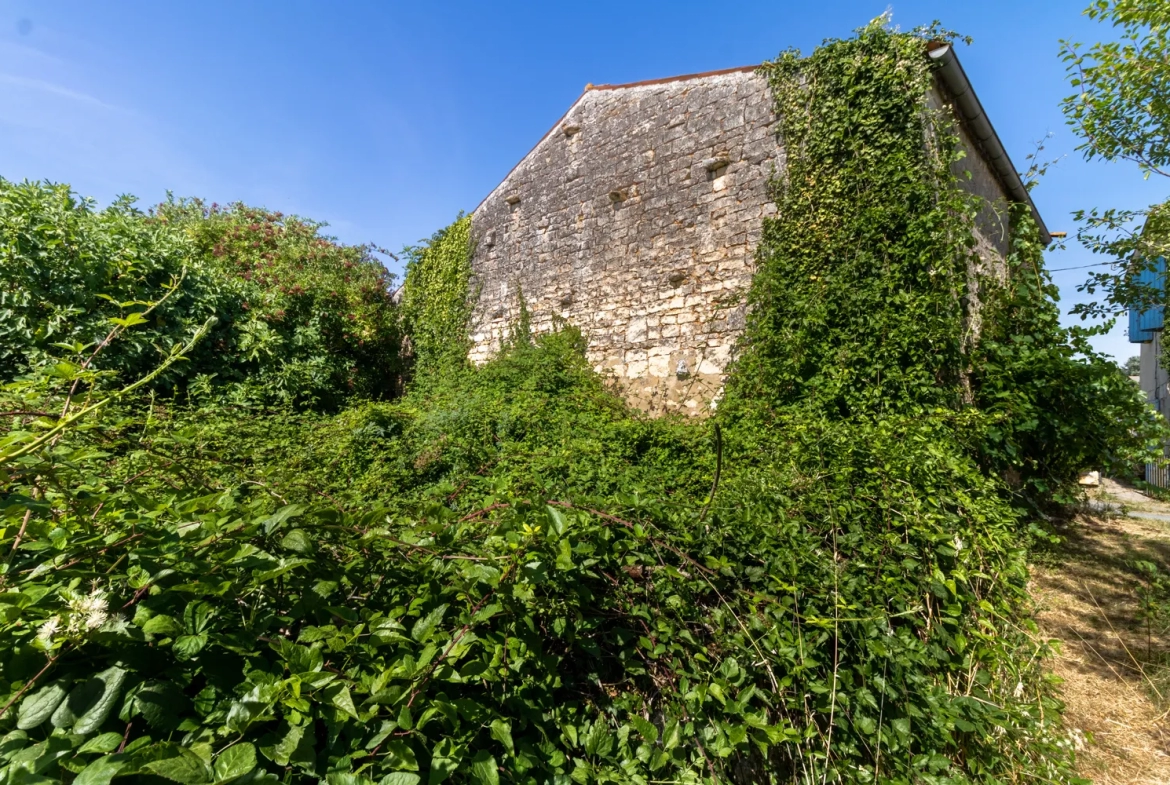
x,y
435,303
507,575
300,319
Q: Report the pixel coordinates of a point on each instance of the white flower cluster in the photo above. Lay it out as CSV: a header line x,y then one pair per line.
x,y
87,612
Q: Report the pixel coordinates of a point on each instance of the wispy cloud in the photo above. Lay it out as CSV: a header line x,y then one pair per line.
x,y
42,86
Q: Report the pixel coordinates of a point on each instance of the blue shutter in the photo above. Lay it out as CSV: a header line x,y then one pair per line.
x,y
1143,324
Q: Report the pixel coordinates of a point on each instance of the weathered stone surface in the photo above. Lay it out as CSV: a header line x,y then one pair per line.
x,y
635,218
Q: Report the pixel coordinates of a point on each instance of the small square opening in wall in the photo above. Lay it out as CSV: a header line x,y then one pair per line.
x,y
513,202
716,167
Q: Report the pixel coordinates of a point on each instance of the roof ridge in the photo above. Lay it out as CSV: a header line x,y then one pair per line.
x,y
680,78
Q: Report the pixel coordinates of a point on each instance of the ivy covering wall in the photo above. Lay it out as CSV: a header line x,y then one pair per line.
x,y
436,302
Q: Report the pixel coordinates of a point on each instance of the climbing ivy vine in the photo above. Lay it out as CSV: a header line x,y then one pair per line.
x,y
436,302
871,300
857,305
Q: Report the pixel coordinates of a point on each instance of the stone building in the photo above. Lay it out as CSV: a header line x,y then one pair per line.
x,y
635,218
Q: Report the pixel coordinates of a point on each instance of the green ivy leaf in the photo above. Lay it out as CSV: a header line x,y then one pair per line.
x,y
277,519
556,519
90,703
341,778
400,755
564,555
671,735
338,695
187,646
161,625
645,728
297,541
441,769
599,741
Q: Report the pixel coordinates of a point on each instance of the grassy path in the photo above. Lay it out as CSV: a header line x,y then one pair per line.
x,y
1115,669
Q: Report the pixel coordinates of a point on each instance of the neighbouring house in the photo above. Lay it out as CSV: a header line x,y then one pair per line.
x,y
1145,328
635,218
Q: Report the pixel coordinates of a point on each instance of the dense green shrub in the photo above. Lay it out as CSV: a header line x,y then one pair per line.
x,y
301,319
1054,406
540,593
313,321
67,269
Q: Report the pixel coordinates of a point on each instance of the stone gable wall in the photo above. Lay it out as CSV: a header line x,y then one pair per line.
x,y
636,219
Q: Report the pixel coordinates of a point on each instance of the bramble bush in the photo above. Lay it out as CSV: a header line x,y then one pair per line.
x,y
300,319
507,575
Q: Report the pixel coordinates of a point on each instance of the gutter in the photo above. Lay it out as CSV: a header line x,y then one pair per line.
x,y
971,113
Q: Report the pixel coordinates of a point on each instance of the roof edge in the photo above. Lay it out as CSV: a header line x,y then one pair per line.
x,y
950,72
524,157
680,78
591,87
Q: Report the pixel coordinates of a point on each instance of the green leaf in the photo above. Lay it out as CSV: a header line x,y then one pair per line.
x,y
40,705
161,703
93,719
345,778
162,625
295,748
101,771
400,755
671,735
285,567
106,742
502,732
280,752
599,741
186,768
484,769
235,762
400,778
441,769
89,704
426,625
338,695
556,519
298,541
130,320
187,646
277,519
645,728
564,555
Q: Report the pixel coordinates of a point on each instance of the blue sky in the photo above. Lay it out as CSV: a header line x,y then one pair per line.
x,y
386,119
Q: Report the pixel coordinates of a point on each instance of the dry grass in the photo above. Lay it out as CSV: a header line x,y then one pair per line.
x,y
1115,690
